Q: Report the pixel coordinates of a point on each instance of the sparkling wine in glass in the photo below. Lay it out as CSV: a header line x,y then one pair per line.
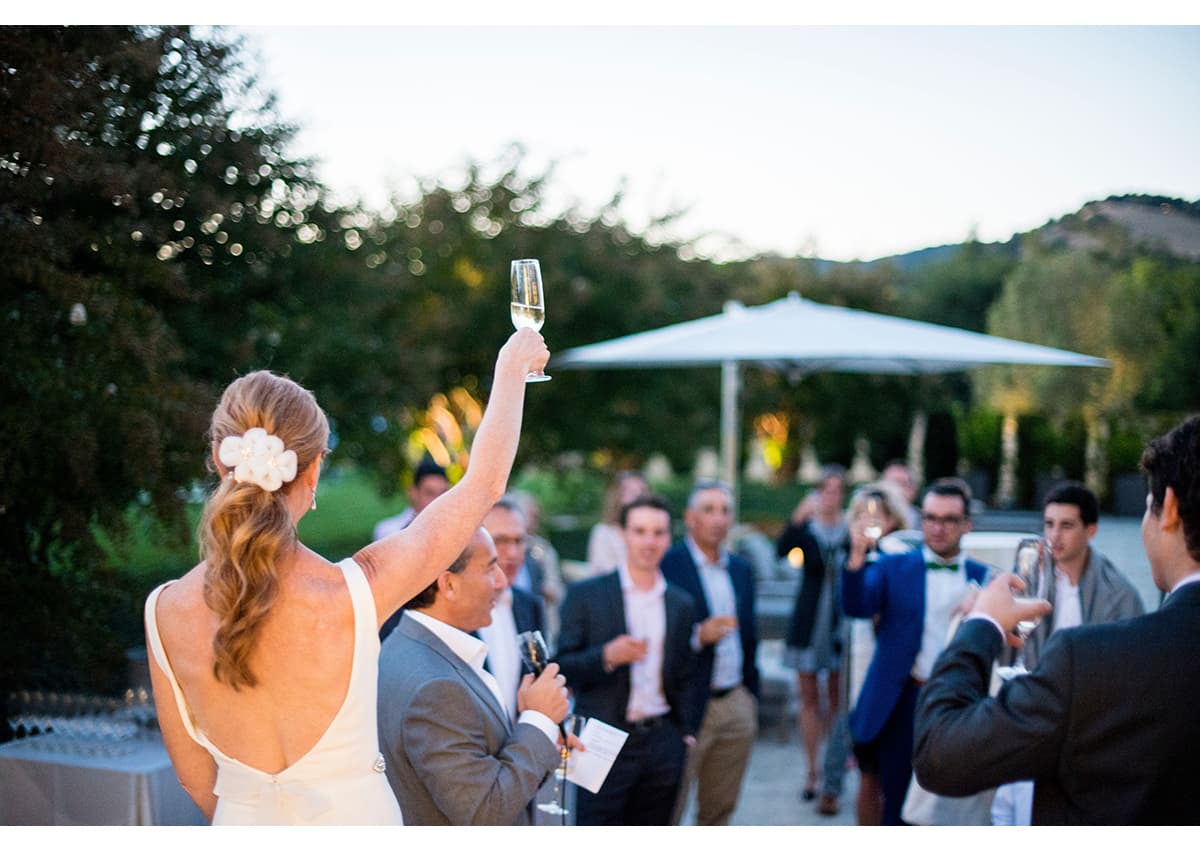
x,y
533,651
528,307
535,656
874,522
1032,564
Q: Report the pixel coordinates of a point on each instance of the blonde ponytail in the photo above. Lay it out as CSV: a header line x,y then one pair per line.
x,y
246,531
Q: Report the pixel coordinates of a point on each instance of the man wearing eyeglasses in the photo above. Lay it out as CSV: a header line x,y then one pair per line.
x,y
915,596
515,610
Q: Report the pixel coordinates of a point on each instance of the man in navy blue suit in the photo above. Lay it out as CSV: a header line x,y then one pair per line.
x,y
724,684
624,647
914,596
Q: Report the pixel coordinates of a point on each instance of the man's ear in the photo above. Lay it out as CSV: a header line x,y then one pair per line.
x,y
1168,519
447,584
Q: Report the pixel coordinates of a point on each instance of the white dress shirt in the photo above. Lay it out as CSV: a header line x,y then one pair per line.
x,y
718,590
504,657
473,651
645,620
1068,608
944,591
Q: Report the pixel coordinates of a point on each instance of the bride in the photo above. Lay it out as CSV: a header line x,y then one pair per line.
x,y
263,656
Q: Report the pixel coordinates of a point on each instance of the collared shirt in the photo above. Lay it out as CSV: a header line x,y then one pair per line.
x,y
718,589
944,591
504,658
1187,580
645,620
473,651
1068,606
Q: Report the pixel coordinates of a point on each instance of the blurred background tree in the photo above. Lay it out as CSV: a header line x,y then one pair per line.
x,y
144,197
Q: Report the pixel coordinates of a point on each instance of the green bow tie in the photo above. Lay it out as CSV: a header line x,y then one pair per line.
x,y
937,565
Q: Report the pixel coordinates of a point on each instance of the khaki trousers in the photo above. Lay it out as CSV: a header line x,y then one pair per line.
x,y
717,763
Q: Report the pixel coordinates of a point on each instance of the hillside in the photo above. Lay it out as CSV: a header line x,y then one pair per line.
x,y
1119,222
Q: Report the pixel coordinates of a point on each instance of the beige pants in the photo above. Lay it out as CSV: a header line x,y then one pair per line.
x,y
718,762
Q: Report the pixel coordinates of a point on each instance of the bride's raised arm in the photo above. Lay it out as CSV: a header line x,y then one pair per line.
x,y
401,565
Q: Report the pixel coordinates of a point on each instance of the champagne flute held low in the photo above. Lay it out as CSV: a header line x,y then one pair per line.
x,y
536,657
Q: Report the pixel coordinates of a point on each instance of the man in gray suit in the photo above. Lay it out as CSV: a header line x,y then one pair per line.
x,y
453,754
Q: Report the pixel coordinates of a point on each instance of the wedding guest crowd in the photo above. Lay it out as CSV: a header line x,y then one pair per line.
x,y
289,710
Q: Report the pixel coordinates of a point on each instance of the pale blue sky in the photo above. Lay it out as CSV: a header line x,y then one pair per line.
x,y
850,142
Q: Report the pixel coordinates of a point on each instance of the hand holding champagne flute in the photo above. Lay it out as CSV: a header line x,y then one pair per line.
x,y
528,306
535,656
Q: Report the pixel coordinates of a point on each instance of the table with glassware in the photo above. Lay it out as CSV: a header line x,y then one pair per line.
x,y
84,768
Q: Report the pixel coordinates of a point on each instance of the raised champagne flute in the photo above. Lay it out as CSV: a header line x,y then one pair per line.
x,y
1031,563
535,656
528,308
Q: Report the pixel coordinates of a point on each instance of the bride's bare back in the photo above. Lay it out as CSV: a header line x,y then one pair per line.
x,y
302,659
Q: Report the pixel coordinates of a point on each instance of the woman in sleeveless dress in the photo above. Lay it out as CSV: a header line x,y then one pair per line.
x,y
263,656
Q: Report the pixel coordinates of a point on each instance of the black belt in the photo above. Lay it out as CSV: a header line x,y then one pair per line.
x,y
648,723
718,693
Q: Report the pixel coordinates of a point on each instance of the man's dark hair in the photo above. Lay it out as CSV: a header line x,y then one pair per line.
x,y
1173,461
428,467
650,500
425,599
953,486
1074,493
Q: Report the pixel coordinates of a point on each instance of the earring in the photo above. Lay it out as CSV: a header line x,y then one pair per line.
x,y
314,505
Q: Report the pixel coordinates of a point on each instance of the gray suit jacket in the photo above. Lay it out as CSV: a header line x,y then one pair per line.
x,y
453,756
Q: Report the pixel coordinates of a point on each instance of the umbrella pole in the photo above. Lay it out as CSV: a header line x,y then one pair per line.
x,y
730,386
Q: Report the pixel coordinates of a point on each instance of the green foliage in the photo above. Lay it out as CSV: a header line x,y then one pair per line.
x,y
1155,321
1056,299
143,199
959,292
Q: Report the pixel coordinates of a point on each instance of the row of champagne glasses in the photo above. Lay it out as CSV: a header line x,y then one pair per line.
x,y
79,717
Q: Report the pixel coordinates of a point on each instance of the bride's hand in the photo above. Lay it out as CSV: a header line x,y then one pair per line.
x,y
523,353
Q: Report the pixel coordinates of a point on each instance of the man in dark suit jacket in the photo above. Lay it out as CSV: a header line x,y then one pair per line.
x,y
625,646
515,611
915,595
454,754
724,687
1106,724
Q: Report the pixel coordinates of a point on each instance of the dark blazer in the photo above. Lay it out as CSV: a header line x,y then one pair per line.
x,y
893,588
1107,724
528,611
593,613
680,568
812,579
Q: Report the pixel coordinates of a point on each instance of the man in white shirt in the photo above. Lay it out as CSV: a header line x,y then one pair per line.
x,y
1105,724
915,595
725,678
625,647
453,754
429,482
516,610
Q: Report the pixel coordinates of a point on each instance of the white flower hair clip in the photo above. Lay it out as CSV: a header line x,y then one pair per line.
x,y
258,458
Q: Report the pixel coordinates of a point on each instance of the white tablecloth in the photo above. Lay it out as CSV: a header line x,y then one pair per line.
x,y
39,786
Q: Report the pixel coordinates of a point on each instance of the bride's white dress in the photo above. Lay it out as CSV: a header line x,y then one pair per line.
x,y
340,781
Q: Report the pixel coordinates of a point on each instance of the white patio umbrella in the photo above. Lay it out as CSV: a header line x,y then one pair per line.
x,y
801,336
